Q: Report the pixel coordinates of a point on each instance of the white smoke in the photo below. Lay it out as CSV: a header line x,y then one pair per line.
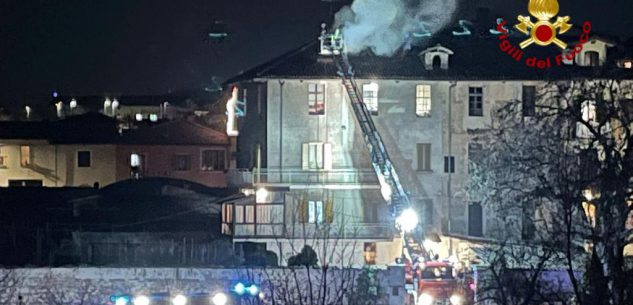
x,y
384,25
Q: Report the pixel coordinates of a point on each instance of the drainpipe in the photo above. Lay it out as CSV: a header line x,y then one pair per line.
x,y
281,132
449,195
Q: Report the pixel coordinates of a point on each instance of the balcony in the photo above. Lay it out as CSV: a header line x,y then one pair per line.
x,y
385,231
331,179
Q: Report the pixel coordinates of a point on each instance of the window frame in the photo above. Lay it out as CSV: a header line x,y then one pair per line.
x,y
321,152
220,151
423,103
475,99
449,164
318,107
427,157
316,212
89,158
372,88
175,162
29,158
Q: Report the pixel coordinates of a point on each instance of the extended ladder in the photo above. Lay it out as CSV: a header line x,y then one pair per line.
x,y
391,187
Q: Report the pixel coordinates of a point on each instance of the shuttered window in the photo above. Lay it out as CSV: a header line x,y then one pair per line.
x,y
424,156
475,219
529,101
449,164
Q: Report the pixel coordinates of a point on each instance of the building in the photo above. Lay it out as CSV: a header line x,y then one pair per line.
x,y
90,150
311,167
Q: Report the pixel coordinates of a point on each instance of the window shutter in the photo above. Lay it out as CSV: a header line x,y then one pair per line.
x,y
306,156
319,155
327,156
329,211
427,157
303,210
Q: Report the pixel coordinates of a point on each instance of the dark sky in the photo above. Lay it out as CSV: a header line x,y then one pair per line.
x,y
152,46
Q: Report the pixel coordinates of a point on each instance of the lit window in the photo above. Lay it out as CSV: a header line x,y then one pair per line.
x,y
182,162
153,117
25,156
628,64
84,158
423,100
135,160
370,253
212,160
370,97
475,101
139,117
316,99
317,156
315,211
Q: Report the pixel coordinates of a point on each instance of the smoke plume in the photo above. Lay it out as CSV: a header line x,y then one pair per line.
x,y
383,26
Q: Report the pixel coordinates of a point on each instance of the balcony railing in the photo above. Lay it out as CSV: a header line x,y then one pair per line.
x,y
313,231
339,177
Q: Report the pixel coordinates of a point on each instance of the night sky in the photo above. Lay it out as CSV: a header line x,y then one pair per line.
x,y
82,47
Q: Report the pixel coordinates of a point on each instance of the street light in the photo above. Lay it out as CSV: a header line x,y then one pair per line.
x,y
219,299
408,220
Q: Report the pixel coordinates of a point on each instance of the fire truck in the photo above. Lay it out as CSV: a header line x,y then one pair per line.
x,y
437,284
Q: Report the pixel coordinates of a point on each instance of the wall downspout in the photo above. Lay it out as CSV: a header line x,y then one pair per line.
x,y
449,195
281,120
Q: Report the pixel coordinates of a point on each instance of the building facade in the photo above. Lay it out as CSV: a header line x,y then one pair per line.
x,y
311,166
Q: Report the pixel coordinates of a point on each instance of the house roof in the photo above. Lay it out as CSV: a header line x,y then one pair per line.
x,y
180,132
96,128
476,57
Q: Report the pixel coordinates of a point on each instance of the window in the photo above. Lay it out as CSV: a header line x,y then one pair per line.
x,y
139,117
592,59
424,156
529,101
84,158
370,253
153,117
315,212
423,100
475,219
244,214
475,101
212,160
182,162
449,164
370,97
628,64
138,162
317,156
25,156
316,99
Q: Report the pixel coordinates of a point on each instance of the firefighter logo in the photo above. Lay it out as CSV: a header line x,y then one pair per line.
x,y
543,32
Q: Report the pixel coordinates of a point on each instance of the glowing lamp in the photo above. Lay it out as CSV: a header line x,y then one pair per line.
x,y
122,300
260,195
141,300
179,300
456,300
425,299
219,299
253,290
239,288
408,220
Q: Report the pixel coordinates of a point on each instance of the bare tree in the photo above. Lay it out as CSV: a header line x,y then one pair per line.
x,y
57,291
569,169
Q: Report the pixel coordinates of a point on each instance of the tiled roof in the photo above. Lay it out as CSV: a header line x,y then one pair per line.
x,y
476,57
180,132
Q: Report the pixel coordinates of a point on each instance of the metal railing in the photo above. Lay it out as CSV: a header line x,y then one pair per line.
x,y
317,231
298,176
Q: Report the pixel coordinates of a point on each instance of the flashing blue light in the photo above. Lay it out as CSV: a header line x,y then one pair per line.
x,y
55,94
253,290
239,288
120,300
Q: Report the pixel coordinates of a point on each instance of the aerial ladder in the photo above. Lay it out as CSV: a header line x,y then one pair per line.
x,y
391,187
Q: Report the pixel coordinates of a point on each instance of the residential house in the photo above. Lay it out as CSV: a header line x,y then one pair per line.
x,y
311,167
